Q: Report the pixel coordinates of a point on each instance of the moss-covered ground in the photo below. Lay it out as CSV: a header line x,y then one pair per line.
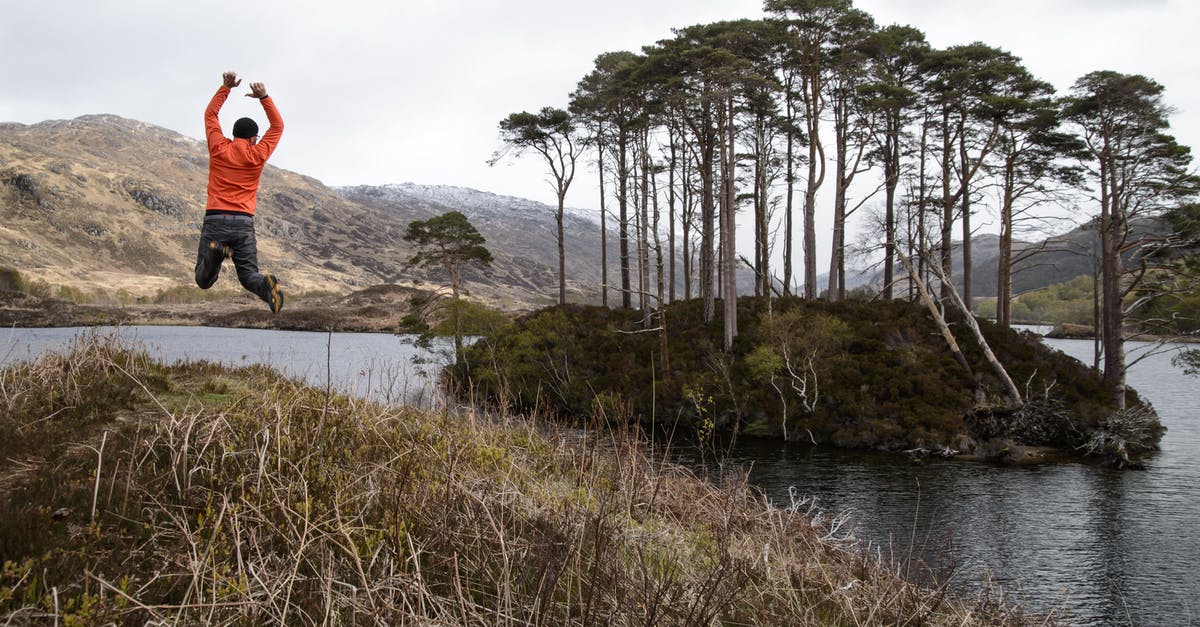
x,y
851,374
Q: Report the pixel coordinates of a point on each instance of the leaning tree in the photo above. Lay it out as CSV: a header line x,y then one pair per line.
x,y
550,133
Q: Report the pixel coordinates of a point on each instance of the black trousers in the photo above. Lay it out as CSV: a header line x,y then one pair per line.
x,y
236,233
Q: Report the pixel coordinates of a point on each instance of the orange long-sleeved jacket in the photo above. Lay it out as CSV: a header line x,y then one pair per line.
x,y
234,165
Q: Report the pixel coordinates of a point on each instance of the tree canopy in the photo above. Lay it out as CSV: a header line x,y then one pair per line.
x,y
727,122
448,242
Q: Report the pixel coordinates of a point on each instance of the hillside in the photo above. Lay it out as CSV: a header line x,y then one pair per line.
x,y
1039,264
112,206
104,204
521,235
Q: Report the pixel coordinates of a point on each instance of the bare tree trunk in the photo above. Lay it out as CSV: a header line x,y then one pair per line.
x,y
729,256
840,123
947,252
657,243
936,313
816,176
1097,313
838,242
674,164
562,256
708,228
762,284
663,347
965,190
689,212
922,195
623,203
603,234
1004,267
1014,395
891,182
644,233
1112,226
789,211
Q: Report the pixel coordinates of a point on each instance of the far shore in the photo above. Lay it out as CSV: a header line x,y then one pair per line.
x,y
373,313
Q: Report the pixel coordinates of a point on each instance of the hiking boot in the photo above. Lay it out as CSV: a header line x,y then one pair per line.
x,y
274,295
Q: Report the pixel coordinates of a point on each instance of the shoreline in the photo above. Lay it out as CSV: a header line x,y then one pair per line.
x,y
384,311
378,313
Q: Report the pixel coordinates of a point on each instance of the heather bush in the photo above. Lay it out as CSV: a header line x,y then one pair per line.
x,y
850,374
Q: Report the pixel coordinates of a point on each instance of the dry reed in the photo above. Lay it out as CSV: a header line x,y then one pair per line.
x,y
235,496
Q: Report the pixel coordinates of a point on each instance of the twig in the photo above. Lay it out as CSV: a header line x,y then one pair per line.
x,y
99,463
115,589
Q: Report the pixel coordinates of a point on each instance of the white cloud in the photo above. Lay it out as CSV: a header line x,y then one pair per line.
x,y
376,92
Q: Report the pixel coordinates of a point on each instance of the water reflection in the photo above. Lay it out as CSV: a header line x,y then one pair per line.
x,y
1100,545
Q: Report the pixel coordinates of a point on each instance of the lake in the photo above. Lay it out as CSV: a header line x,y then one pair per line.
x,y
1102,546
368,365
1105,546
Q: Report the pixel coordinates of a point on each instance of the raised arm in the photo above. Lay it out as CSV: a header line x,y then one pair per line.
x,y
212,119
270,139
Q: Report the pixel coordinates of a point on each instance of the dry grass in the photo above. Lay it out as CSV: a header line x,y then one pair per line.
x,y
137,493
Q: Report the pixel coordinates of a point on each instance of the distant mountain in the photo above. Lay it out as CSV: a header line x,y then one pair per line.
x,y
107,203
1054,260
521,234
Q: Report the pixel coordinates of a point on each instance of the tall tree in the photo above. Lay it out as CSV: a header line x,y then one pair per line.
x,y
1031,170
789,80
760,127
687,68
451,243
812,25
552,134
1139,170
965,83
749,83
607,97
852,129
586,108
896,54
706,75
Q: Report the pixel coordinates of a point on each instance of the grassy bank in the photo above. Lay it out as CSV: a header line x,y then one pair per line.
x,y
200,494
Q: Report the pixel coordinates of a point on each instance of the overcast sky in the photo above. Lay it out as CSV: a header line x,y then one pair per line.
x,y
376,92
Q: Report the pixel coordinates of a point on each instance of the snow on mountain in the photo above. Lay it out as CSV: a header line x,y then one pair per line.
x,y
472,202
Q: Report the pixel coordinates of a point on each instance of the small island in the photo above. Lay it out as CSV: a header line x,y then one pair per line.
x,y
847,374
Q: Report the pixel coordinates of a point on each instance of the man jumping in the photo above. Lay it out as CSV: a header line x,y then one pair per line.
x,y
234,167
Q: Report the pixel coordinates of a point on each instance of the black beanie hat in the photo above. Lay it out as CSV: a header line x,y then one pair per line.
x,y
245,128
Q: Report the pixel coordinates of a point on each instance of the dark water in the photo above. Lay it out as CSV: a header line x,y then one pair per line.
x,y
1101,545
1104,547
